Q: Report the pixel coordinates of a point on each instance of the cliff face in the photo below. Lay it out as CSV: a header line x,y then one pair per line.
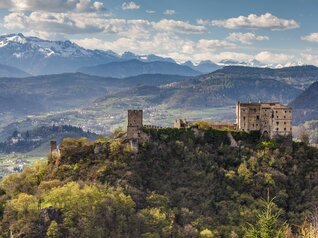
x,y
179,184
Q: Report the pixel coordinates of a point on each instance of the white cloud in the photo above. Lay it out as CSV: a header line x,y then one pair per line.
x,y
53,6
130,6
65,23
77,23
274,58
150,11
178,26
266,20
206,44
169,12
246,38
313,37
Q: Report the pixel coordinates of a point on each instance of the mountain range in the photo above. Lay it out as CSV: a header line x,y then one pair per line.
x,y
42,57
38,57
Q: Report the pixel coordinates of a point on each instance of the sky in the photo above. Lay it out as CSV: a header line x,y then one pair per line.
x,y
270,31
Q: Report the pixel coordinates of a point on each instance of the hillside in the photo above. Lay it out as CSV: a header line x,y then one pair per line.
x,y
212,90
137,67
8,71
48,93
182,183
297,76
306,105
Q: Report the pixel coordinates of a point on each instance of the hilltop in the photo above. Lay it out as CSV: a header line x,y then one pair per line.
x,y
182,183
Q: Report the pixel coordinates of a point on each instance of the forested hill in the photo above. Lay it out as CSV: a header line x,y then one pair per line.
x,y
182,183
297,76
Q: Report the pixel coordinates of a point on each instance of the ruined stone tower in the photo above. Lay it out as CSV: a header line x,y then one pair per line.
x,y
53,146
135,123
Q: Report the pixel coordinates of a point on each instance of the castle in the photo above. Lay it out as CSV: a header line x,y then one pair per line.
x,y
272,119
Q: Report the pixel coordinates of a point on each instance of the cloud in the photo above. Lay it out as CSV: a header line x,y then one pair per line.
x,y
53,6
313,37
169,12
206,44
166,45
78,23
130,6
246,38
150,11
65,23
274,58
178,26
266,20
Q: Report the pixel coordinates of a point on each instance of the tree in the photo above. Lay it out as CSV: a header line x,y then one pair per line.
x,y
267,225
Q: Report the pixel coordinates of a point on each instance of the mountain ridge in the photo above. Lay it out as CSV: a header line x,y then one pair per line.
x,y
136,67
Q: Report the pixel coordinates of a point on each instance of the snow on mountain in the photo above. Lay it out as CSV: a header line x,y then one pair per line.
x,y
38,56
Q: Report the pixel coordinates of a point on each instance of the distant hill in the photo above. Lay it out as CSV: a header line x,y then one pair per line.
x,y
137,67
20,97
26,141
214,90
306,105
50,92
9,71
297,76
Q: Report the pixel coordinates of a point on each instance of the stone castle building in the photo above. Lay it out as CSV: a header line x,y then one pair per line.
x,y
272,119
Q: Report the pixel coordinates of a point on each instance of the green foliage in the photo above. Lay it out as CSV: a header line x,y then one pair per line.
x,y
182,183
267,225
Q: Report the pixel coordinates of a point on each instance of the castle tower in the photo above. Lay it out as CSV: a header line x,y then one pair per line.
x,y
53,145
135,123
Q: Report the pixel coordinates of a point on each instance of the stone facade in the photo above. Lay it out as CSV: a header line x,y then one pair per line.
x,y
272,119
135,123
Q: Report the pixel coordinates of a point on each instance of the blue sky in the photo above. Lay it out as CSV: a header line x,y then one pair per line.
x,y
273,32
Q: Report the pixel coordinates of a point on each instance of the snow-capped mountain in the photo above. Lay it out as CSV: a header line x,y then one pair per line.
x,y
38,56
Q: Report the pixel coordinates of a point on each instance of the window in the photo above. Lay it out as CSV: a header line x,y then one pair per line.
x,y
277,123
285,123
257,117
276,129
284,129
244,118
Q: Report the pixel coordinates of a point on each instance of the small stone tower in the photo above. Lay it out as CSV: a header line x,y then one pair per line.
x,y
53,146
135,123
